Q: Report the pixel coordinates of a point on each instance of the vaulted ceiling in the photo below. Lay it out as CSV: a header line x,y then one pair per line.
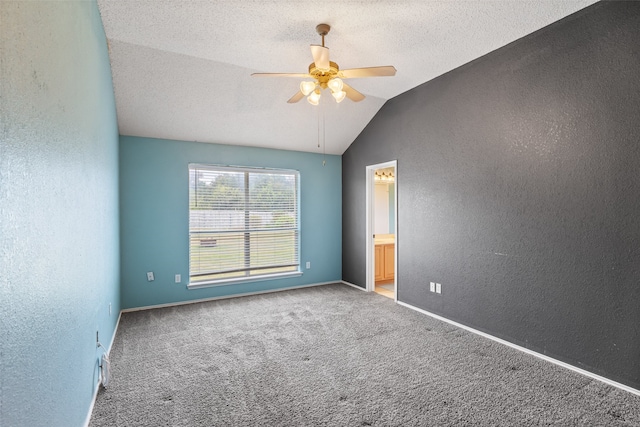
x,y
182,69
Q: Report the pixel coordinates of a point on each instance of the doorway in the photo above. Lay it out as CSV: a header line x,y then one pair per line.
x,y
382,229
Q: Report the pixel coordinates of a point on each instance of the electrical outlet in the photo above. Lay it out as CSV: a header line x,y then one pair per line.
x,y
178,278
432,286
308,265
150,277
438,288
109,309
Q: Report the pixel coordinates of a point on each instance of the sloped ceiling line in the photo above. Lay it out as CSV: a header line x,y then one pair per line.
x,y
181,69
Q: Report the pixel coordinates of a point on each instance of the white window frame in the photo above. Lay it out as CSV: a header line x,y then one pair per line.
x,y
248,277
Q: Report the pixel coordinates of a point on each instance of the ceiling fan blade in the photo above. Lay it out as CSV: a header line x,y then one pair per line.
x,y
352,94
388,70
320,57
295,98
301,75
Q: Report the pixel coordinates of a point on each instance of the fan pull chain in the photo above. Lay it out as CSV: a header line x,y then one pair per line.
x,y
324,139
324,133
318,127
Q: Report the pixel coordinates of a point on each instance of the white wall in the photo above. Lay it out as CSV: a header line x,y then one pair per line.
x,y
381,215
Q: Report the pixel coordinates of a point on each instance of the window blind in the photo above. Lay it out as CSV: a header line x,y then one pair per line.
x,y
242,223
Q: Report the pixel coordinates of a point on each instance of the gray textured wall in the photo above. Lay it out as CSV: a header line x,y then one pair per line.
x,y
518,189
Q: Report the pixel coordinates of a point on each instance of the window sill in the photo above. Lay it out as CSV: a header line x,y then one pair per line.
x,y
227,282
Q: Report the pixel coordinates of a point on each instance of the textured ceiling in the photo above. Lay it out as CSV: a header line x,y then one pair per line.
x,y
182,69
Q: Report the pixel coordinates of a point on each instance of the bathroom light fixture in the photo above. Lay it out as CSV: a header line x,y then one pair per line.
x,y
382,176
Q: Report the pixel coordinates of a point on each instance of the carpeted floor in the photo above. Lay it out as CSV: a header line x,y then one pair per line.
x,y
335,356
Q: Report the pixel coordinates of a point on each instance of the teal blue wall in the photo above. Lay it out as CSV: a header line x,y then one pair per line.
x,y
59,247
154,216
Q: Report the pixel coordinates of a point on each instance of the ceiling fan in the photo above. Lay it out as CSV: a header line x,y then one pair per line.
x,y
327,74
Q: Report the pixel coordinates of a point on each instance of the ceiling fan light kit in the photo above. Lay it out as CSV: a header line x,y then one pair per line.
x,y
339,96
327,74
335,84
314,97
307,87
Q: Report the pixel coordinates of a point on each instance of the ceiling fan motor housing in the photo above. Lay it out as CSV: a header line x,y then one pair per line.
x,y
324,76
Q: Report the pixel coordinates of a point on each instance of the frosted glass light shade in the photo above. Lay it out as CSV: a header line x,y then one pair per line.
x,y
314,98
307,87
339,96
335,84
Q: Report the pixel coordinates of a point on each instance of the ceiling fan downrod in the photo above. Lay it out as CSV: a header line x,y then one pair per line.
x,y
323,30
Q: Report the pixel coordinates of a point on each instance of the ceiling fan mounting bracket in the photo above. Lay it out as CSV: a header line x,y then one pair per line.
x,y
323,29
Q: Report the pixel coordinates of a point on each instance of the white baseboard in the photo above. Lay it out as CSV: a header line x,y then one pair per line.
x,y
96,387
246,294
115,331
353,286
528,351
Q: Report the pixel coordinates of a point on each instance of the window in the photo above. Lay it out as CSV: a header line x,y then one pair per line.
x,y
243,224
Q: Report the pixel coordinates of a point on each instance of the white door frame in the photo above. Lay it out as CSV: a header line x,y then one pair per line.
x,y
370,201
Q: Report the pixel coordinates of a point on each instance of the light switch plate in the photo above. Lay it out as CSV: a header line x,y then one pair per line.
x,y
432,286
150,277
438,288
